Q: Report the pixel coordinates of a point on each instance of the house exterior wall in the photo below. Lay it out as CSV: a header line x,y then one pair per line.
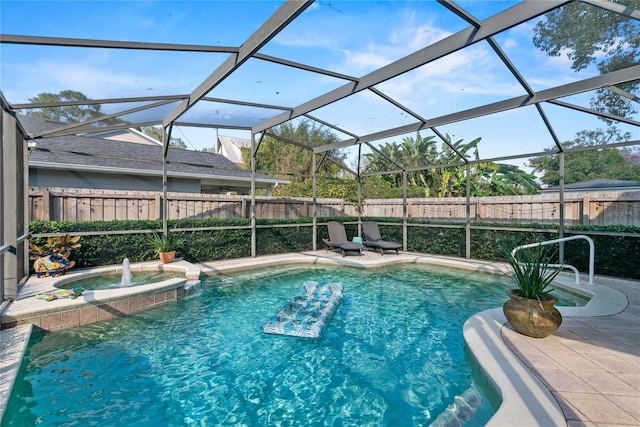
x,y
74,179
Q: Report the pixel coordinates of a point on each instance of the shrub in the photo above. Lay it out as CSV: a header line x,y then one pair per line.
x,y
615,255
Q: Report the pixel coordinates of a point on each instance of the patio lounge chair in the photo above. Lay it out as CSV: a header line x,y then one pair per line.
x,y
371,238
338,239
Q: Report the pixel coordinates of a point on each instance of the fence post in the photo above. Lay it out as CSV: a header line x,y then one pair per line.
x,y
405,229
586,209
158,206
467,223
45,208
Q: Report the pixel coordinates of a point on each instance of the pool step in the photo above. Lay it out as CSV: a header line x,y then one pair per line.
x,y
461,410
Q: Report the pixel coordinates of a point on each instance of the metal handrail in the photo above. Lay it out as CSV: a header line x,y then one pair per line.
x,y
592,251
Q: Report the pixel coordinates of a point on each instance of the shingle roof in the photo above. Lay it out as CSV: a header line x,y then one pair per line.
x,y
596,184
73,152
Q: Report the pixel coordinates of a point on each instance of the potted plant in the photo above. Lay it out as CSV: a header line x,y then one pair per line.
x,y
531,309
52,258
165,246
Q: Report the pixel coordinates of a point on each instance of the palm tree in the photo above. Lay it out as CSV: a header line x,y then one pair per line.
x,y
487,178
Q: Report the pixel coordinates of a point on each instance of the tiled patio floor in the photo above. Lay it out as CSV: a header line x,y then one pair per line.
x,y
591,364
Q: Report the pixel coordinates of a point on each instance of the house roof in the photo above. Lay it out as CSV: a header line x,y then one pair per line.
x,y
127,135
103,155
232,146
598,185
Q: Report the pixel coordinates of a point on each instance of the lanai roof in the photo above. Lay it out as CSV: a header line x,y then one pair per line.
x,y
267,64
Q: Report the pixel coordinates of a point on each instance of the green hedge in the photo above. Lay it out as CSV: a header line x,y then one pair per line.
x,y
615,255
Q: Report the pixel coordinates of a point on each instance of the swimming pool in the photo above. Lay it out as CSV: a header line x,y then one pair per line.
x,y
393,354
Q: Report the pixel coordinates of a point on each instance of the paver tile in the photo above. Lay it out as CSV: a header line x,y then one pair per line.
x,y
599,409
607,383
562,380
574,361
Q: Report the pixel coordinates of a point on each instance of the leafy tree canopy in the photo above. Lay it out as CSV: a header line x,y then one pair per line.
x,y
589,35
325,188
81,113
606,163
288,158
448,181
69,113
158,133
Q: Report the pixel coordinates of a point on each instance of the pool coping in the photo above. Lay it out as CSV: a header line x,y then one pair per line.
x,y
525,400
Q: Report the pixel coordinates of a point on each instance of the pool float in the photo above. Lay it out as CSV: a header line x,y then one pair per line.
x,y
307,314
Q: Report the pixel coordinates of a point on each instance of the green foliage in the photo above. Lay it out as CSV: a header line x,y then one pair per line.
x,y
410,153
437,241
591,35
615,255
378,187
284,240
531,272
486,178
607,163
158,133
486,243
59,245
325,188
290,154
161,243
70,113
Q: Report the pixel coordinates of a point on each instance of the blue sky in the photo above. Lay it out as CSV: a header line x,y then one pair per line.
x,y
353,38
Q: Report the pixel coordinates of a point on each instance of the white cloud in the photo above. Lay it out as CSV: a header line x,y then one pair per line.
x,y
400,43
510,44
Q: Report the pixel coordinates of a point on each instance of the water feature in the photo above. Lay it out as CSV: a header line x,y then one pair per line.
x,y
125,280
120,280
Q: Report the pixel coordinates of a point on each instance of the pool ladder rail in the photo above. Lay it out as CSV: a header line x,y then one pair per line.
x,y
592,252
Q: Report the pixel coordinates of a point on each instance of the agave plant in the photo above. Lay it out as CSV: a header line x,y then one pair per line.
x,y
532,273
165,243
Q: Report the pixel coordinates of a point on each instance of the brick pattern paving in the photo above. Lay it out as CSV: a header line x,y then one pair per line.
x,y
591,365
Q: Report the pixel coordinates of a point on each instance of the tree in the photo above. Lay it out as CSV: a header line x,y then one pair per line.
x,y
449,181
158,133
70,113
277,156
593,36
606,163
346,190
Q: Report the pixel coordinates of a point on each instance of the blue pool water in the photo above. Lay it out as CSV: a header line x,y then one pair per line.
x,y
112,281
392,355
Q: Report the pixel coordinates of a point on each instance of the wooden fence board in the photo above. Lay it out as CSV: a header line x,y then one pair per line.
x,y
90,205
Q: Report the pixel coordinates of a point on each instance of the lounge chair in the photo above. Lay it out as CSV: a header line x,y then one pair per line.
x,y
338,239
371,238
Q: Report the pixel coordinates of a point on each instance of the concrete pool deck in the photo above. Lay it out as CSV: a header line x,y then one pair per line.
x,y
585,374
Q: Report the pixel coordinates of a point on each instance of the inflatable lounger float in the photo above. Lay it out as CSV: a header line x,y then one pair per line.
x,y
307,314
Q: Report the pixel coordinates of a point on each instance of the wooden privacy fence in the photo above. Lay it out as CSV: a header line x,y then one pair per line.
x,y
60,204
607,208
